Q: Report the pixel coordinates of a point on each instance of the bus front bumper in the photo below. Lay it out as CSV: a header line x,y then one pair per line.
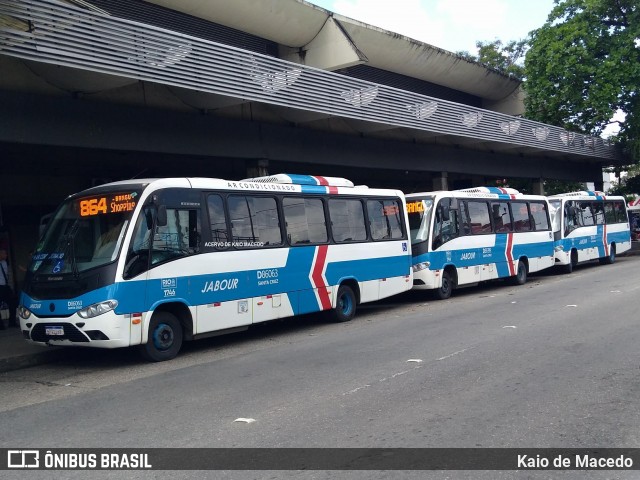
x,y
112,331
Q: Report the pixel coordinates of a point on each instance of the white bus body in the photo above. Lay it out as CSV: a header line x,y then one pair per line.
x,y
468,236
588,225
192,257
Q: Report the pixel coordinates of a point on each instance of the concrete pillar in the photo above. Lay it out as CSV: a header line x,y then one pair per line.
x,y
440,182
257,168
537,187
598,185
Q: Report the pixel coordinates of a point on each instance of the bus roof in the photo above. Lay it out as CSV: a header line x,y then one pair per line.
x,y
302,180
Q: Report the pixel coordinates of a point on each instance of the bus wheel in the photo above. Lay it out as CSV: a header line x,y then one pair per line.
x,y
165,338
345,305
573,261
520,277
611,258
446,289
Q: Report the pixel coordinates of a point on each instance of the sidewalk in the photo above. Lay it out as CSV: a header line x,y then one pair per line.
x,y
16,353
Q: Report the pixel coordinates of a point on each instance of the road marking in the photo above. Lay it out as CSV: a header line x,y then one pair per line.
x,y
452,354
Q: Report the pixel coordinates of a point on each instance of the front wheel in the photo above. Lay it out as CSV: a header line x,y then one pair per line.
x,y
345,305
165,338
446,288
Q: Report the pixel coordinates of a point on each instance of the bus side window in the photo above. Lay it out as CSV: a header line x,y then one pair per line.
x,y
304,220
445,226
621,212
539,216
586,208
217,222
571,217
347,220
521,217
598,213
465,222
179,237
501,217
254,221
385,221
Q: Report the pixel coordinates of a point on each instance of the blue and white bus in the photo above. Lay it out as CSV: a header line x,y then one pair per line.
x,y
588,225
155,262
468,236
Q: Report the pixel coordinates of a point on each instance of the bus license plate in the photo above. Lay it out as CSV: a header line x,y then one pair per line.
x,y
54,331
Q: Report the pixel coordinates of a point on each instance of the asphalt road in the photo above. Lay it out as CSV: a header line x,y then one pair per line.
x,y
553,363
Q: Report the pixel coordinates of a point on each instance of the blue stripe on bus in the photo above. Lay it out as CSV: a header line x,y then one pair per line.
x,y
139,296
470,257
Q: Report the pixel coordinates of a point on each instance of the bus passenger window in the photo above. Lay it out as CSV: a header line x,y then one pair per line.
x,y
217,222
609,213
254,221
304,220
621,212
521,217
501,217
539,216
480,221
385,219
347,220
587,214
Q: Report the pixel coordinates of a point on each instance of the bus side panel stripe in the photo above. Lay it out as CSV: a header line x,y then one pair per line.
x,y
317,270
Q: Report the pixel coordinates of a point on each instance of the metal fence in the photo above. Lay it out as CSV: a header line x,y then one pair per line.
x,y
59,33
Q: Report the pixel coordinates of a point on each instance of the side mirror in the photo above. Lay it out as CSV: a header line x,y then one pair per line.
x,y
161,217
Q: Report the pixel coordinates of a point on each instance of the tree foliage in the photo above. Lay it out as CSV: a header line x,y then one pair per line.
x,y
583,65
506,58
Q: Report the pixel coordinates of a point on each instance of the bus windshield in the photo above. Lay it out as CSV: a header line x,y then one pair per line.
x,y
84,233
419,210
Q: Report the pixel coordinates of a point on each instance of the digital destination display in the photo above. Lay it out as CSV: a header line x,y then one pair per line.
x,y
415,207
106,204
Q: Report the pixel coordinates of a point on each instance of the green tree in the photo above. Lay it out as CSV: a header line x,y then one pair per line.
x,y
507,58
583,65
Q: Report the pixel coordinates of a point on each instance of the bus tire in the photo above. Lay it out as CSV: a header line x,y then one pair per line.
x,y
520,278
446,289
165,338
345,304
573,261
611,257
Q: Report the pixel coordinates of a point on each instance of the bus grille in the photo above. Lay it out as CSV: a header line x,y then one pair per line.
x,y
71,332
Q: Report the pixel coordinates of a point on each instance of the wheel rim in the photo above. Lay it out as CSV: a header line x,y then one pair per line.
x,y
346,304
163,336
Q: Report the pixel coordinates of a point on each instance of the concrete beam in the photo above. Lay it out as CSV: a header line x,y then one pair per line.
x,y
331,49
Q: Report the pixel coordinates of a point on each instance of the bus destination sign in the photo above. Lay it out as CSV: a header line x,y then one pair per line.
x,y
105,204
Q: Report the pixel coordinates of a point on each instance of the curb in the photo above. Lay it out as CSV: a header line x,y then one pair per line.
x,y
31,359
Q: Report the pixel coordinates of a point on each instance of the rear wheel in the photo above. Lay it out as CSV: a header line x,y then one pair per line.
x,y
446,289
611,257
345,305
165,338
520,277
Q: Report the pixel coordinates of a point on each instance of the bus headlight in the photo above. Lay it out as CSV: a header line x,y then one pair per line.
x,y
97,309
558,248
420,266
23,312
